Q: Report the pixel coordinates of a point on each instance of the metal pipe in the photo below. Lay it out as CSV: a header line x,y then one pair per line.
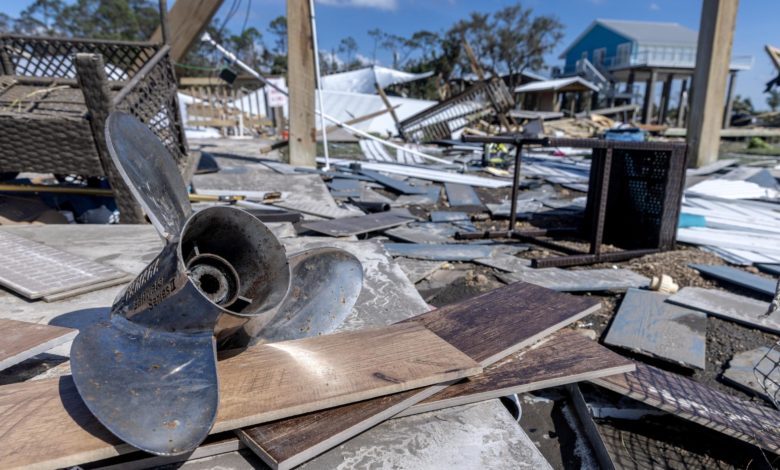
x,y
232,58
319,85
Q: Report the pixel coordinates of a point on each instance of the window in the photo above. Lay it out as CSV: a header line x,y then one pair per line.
x,y
598,56
624,53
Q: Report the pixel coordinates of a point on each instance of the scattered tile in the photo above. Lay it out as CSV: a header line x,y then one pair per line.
x,y
756,372
728,306
648,325
738,277
506,263
587,280
432,251
462,195
418,269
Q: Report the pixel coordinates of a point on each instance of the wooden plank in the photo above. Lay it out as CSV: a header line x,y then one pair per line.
x,y
695,402
648,325
462,195
300,76
262,383
588,280
21,340
187,20
738,277
563,358
488,327
359,225
728,306
743,367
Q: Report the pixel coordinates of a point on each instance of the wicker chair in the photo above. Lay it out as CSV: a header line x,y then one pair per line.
x,y
55,95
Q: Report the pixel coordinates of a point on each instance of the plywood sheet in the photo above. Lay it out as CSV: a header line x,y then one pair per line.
x,y
488,328
695,402
263,383
21,340
728,306
646,324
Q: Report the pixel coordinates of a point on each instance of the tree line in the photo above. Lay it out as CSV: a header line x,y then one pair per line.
x,y
510,40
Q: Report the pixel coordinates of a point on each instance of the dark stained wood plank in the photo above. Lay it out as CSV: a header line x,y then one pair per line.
x,y
564,357
698,403
488,327
21,340
262,383
358,225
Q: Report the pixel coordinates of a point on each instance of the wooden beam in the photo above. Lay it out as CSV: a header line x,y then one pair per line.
x,y
713,55
647,109
187,20
301,83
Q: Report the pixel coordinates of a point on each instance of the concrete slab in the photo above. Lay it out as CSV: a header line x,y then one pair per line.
x,y
648,325
728,306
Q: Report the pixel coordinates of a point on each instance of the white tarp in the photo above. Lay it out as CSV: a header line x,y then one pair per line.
x,y
365,80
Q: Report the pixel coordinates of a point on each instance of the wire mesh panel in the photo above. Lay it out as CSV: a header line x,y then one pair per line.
x,y
53,57
153,100
441,120
767,373
645,188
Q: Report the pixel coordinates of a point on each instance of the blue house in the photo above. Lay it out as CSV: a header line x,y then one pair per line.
x,y
617,53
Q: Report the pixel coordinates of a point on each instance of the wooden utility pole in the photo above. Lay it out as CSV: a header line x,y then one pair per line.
x,y
713,55
187,20
301,83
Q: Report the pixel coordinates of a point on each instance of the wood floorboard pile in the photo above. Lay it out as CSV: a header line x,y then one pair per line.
x,y
456,352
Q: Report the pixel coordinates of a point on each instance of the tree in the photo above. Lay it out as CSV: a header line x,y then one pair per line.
x,y
278,27
348,46
5,23
773,100
39,18
376,35
742,105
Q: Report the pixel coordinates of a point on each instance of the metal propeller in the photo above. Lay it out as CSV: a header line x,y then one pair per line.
x,y
149,373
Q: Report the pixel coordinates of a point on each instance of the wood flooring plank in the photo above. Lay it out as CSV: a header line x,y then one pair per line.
x,y
262,383
21,340
563,358
488,327
698,403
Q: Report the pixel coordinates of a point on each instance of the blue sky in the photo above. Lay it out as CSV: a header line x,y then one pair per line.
x,y
757,23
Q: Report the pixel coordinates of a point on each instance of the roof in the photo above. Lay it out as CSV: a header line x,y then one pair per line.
x,y
644,32
366,79
557,84
472,77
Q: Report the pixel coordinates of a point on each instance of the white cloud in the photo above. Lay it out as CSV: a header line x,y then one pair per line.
x,y
364,60
378,4
654,6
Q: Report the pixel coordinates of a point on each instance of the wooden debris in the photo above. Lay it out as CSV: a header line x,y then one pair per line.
x,y
21,340
488,328
646,324
262,383
563,358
